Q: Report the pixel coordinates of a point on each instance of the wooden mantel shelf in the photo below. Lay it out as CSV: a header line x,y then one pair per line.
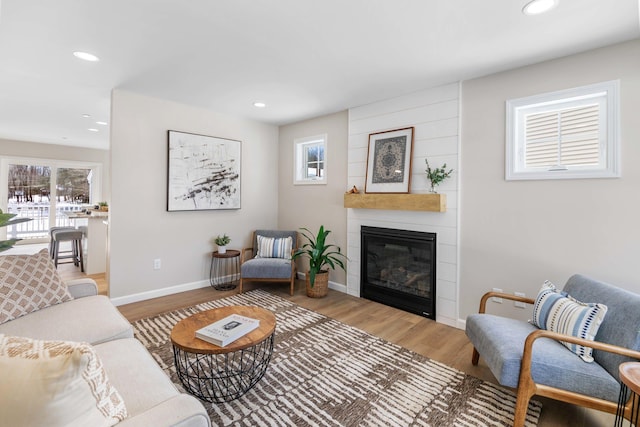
x,y
404,202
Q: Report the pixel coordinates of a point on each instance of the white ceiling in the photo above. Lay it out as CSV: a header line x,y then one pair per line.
x,y
304,58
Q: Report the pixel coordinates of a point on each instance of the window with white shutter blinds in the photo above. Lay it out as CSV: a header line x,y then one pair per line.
x,y
566,134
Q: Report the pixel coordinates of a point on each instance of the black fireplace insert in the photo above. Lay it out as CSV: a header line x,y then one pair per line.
x,y
398,268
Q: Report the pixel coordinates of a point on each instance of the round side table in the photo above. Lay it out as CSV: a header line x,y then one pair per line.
x,y
630,382
221,374
224,273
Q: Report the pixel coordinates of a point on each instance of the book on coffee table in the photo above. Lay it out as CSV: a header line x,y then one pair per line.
x,y
227,330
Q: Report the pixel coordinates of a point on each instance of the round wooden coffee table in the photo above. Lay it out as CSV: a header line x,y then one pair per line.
x,y
221,374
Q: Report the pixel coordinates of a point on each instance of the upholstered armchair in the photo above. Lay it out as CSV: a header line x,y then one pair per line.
x,y
534,359
269,258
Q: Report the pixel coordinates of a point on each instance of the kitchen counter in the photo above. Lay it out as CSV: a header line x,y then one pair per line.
x,y
95,244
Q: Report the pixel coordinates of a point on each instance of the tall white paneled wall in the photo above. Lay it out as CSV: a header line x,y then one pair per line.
x,y
434,113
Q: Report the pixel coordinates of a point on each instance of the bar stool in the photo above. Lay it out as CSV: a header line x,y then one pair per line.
x,y
75,254
51,231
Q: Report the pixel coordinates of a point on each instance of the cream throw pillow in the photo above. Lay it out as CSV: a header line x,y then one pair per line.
x,y
55,383
29,283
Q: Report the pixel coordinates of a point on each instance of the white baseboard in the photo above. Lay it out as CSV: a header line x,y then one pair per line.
x,y
142,296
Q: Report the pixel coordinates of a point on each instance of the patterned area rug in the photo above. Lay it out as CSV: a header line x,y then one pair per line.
x,y
326,373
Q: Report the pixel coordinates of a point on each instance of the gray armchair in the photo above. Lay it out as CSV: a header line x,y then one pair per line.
x,y
274,267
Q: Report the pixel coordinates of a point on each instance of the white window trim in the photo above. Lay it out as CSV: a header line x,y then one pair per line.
x,y
299,163
612,166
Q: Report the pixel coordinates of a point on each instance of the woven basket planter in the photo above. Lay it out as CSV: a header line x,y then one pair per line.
x,y
320,287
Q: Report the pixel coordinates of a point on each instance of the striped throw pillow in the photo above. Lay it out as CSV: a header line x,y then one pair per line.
x,y
274,247
558,312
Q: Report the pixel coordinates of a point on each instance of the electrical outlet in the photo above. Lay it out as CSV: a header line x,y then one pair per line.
x,y
518,303
496,299
157,263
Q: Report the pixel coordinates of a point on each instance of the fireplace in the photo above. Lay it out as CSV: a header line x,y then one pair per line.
x,y
398,268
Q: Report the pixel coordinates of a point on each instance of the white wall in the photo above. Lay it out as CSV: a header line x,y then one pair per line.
x,y
516,234
434,114
141,229
313,205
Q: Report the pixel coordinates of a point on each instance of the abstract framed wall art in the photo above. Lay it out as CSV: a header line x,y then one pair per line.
x,y
389,161
203,172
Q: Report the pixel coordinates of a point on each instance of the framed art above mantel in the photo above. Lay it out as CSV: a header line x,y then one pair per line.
x,y
203,172
389,161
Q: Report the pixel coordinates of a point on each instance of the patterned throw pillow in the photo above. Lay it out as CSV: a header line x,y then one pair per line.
x,y
558,312
29,283
55,383
274,247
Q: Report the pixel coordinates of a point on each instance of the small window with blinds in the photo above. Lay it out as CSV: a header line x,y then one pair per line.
x,y
566,134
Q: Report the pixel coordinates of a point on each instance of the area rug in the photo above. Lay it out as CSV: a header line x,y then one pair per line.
x,y
326,373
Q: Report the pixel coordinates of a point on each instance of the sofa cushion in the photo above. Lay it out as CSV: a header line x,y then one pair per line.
x,y
266,268
91,319
136,375
29,283
500,341
273,247
559,312
55,383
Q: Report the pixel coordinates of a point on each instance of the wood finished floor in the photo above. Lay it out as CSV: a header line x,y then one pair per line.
x,y
424,336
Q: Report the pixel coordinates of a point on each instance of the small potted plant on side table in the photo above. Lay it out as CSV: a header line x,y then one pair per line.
x,y
222,242
322,257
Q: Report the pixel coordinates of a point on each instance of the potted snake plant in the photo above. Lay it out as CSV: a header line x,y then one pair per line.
x,y
322,257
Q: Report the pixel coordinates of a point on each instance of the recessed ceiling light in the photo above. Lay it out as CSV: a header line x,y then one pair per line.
x,y
86,116
93,130
536,7
259,104
86,56
101,123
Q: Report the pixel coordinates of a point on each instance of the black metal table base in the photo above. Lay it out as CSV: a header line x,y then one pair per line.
x,y
622,400
219,378
224,272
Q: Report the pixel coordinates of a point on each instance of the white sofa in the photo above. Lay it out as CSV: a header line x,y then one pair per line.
x,y
151,399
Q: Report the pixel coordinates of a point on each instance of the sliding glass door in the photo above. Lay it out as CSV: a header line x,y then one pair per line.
x,y
45,191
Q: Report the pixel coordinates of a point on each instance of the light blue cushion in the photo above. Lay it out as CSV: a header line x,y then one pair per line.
x,y
266,268
620,327
500,342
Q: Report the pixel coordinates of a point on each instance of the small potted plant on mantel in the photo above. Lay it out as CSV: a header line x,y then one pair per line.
x,y
222,242
322,257
437,175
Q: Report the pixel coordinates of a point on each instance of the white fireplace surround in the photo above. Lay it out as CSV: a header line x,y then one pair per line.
x,y
434,113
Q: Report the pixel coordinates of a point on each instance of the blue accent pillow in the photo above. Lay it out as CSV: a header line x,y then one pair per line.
x,y
557,311
274,247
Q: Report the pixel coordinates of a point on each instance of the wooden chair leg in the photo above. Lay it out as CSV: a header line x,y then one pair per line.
x,y
522,404
240,285
475,357
293,281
